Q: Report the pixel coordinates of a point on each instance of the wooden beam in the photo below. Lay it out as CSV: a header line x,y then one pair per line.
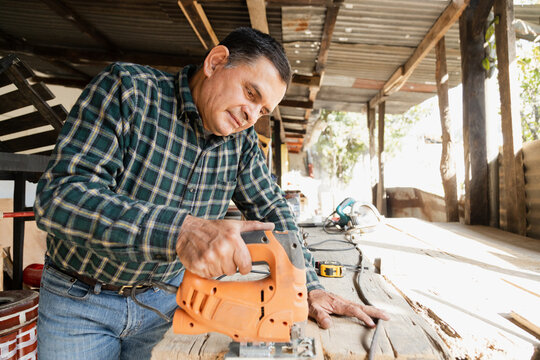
x,y
372,158
514,187
448,166
85,56
474,120
381,204
328,32
34,97
407,87
196,17
297,103
294,121
33,141
23,163
277,115
294,136
305,80
257,15
14,100
294,131
480,15
29,121
84,26
68,82
447,18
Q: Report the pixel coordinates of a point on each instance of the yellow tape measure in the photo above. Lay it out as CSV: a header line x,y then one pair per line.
x,y
329,269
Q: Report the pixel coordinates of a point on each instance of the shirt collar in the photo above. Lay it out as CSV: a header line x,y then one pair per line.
x,y
187,105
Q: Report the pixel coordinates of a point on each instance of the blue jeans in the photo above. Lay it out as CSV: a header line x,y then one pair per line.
x,y
76,323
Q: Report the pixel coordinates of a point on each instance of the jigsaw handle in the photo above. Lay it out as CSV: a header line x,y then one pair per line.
x,y
287,240
260,310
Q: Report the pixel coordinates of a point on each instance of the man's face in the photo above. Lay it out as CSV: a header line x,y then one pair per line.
x,y
233,98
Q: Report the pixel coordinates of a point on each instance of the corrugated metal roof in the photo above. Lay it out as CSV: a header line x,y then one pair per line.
x,y
371,39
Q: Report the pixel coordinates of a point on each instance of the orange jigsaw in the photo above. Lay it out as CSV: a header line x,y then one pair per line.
x,y
249,311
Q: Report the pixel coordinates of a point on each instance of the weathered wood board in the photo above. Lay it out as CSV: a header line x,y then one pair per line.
x,y
466,280
407,335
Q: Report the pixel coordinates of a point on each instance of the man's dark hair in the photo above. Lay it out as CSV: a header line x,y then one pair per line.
x,y
246,45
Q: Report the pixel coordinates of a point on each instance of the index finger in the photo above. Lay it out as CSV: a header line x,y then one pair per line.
x,y
242,257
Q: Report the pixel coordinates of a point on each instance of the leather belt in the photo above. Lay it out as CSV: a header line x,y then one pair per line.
x,y
124,290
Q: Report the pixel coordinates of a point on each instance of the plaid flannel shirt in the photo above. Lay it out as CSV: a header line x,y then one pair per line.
x,y
131,161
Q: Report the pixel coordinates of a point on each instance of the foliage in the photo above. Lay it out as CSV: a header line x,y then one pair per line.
x,y
342,143
346,138
529,79
398,126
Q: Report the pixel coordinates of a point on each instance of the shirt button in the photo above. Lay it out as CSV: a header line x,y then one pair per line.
x,y
191,190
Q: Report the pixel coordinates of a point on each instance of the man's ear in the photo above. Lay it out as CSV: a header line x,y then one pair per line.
x,y
216,58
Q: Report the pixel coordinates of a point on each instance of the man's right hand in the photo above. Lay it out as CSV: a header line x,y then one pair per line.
x,y
211,248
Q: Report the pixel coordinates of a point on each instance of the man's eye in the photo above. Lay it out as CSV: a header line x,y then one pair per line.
x,y
250,94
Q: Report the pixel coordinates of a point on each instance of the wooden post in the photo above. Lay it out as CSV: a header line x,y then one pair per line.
x,y
448,166
277,149
514,199
372,158
474,118
381,203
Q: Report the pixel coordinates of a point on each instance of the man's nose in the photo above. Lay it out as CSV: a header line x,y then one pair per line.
x,y
251,113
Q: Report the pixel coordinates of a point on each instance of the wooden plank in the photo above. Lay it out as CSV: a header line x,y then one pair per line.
x,y
196,17
510,119
294,121
445,21
257,15
294,131
304,104
332,12
68,82
23,163
263,127
306,80
474,120
407,87
80,23
453,275
29,121
15,99
25,71
405,335
372,158
381,203
448,166
526,324
38,101
293,136
33,141
277,151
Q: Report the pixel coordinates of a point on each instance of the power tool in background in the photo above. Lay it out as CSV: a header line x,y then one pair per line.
x,y
352,215
264,318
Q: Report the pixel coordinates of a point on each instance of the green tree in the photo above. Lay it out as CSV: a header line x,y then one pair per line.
x,y
346,138
342,143
529,78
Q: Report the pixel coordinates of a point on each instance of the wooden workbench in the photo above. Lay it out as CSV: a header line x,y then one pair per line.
x,y
444,286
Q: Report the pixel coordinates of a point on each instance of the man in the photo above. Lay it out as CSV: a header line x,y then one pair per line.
x,y
143,171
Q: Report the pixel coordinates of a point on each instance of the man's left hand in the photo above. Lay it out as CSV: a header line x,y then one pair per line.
x,y
323,303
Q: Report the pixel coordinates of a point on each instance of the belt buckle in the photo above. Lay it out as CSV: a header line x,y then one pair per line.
x,y
128,287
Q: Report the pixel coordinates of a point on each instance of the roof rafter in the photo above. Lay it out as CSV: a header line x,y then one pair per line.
x,y
447,18
196,17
